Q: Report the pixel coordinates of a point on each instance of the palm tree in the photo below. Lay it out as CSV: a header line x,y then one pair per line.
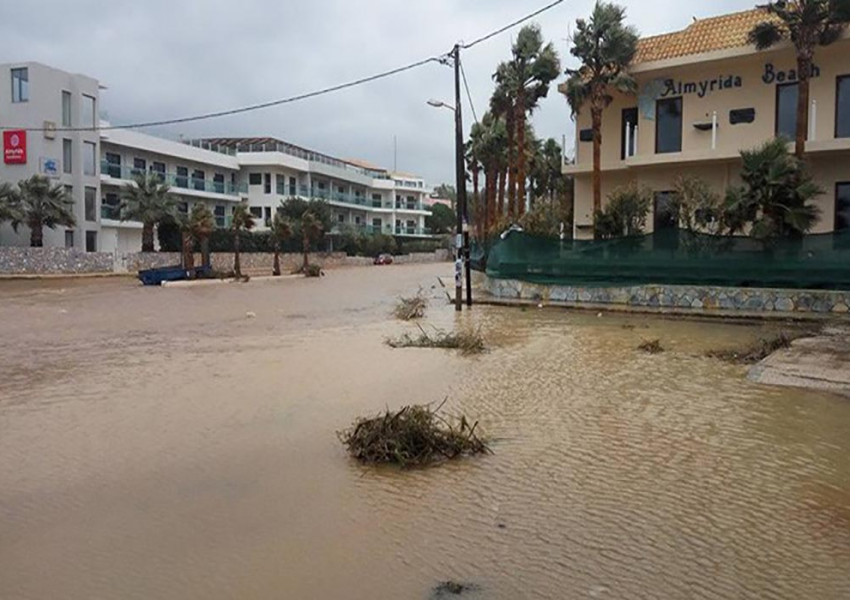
x,y
808,24
41,204
197,226
525,81
149,201
9,205
473,165
311,230
242,220
501,105
605,47
281,231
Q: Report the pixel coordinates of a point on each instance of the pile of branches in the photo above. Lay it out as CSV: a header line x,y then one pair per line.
x,y
411,308
756,352
413,436
467,341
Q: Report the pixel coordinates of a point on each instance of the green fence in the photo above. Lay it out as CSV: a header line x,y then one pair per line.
x,y
672,257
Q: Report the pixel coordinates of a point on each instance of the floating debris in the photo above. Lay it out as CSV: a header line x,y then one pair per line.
x,y
651,346
468,341
411,308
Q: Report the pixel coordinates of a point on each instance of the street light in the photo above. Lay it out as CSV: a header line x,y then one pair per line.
x,y
440,104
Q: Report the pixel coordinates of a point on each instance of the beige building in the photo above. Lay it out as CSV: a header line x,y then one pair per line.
x,y
704,94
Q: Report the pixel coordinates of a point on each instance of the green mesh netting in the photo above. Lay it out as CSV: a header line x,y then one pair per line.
x,y
671,257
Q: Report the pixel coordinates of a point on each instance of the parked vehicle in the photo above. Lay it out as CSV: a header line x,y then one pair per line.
x,y
383,259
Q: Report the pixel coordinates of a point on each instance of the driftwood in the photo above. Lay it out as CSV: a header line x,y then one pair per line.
x,y
411,308
413,436
756,352
468,341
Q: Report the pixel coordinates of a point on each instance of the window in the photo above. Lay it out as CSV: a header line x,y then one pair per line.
x,y
293,191
842,106
411,202
340,189
20,85
66,109
341,218
668,125
89,111
357,220
267,183
627,132
140,165
377,224
786,110
182,178
218,183
89,158
183,208
257,212
91,241
198,182
268,211
67,156
69,238
255,179
376,200
159,169
842,206
280,181
110,207
113,165
218,212
91,204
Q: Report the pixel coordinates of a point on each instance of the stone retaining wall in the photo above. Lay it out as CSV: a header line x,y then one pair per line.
x,y
15,260
678,298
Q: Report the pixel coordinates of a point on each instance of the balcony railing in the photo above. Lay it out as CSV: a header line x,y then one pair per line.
x,y
108,211
178,182
412,231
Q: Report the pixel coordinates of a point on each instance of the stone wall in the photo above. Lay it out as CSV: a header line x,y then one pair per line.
x,y
674,298
22,260
18,260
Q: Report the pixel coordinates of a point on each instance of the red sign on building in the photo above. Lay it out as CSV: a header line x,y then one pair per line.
x,y
15,147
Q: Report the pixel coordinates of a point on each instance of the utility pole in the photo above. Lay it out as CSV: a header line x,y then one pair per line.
x,y
460,186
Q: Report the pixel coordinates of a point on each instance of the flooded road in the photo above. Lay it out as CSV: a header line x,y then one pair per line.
x,y
163,443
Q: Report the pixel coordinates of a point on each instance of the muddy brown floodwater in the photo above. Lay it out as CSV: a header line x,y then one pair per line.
x,y
161,443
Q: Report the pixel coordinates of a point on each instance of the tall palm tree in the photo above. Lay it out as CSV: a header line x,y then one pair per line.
x,y
525,79
149,201
605,47
311,230
9,205
501,105
281,231
808,24
197,226
242,220
41,204
473,166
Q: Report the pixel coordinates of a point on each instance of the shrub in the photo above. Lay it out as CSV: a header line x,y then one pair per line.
x,y
626,211
411,308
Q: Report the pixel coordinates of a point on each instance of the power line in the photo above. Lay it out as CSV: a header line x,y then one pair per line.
x,y
468,95
245,109
513,24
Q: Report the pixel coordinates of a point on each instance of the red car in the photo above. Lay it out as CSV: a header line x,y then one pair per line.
x,y
383,259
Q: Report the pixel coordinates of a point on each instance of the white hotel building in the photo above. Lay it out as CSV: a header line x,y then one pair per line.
x,y
46,107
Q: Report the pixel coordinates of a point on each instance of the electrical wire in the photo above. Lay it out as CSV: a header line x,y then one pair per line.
x,y
468,95
510,25
442,59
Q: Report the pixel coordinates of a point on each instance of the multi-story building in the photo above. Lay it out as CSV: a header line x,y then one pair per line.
x,y
704,95
57,133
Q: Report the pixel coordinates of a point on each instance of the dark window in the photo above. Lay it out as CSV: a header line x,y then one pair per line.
x,y
113,165
668,125
376,223
182,179
267,185
842,107
340,189
218,183
139,166
786,110
91,204
842,206
257,212
357,220
268,211
341,218
109,207
627,132
376,200
255,179
91,241
159,169
293,191
183,208
20,85
66,109
198,182
218,212
69,238
585,135
67,156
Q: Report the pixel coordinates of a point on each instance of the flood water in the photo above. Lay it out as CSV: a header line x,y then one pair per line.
x,y
163,443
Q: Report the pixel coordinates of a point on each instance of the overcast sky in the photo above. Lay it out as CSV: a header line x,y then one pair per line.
x,y
171,58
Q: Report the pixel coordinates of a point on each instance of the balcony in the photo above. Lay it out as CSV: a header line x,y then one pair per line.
x,y
178,182
412,231
110,212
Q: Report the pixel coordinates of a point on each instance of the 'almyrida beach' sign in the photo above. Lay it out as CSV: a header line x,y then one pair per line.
x,y
770,74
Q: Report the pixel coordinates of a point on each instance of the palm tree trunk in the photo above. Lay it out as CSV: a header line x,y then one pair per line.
x,y
237,267
503,178
36,234
596,120
521,167
479,211
188,255
490,192
147,237
305,246
510,121
276,267
804,72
